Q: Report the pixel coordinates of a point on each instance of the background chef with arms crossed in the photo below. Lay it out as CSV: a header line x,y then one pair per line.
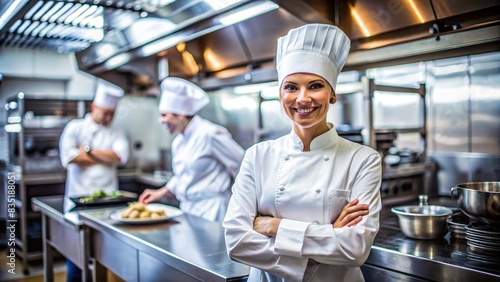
x,y
305,207
91,149
205,158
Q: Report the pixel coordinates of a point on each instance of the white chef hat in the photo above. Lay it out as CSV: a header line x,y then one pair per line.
x,y
319,49
107,95
179,96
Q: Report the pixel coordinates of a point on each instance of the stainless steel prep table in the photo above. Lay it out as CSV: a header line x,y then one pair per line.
x,y
395,257
185,248
62,232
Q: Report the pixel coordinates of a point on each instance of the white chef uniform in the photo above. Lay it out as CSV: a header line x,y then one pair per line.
x,y
205,161
83,180
278,179
306,190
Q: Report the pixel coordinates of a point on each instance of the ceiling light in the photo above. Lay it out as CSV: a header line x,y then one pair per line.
x,y
31,27
220,4
33,10
84,15
160,45
38,28
76,14
40,12
98,13
44,31
255,88
416,11
16,127
60,12
68,13
247,13
14,7
14,119
15,26
51,12
117,61
360,22
23,27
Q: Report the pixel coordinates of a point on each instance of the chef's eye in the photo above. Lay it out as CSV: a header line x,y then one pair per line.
x,y
316,85
290,87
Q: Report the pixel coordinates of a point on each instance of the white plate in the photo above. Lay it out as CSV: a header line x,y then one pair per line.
x,y
170,212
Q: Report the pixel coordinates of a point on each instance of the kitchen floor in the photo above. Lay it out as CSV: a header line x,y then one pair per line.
x,y
36,270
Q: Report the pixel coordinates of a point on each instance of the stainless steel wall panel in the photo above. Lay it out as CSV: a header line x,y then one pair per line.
x,y
485,103
238,113
138,117
275,123
397,110
455,168
349,109
449,105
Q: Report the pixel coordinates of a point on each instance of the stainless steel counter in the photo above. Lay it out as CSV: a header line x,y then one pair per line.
x,y
64,233
395,257
186,248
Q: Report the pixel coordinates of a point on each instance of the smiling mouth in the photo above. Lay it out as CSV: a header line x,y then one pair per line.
x,y
304,111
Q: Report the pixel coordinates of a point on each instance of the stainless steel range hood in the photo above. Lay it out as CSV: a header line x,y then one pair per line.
x,y
224,42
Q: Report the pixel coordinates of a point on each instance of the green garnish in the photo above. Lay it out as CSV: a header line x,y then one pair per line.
x,y
99,194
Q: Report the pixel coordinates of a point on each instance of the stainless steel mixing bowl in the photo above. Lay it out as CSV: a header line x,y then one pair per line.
x,y
423,222
479,200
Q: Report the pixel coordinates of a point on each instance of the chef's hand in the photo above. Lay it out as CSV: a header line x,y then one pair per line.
x,y
154,195
351,214
266,225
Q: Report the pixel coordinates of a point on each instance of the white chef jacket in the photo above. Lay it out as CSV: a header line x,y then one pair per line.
x,y
205,160
307,190
83,180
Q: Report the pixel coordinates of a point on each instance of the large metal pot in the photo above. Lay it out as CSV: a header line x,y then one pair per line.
x,y
479,200
423,221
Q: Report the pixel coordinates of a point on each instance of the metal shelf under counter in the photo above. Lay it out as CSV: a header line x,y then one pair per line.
x,y
395,257
185,248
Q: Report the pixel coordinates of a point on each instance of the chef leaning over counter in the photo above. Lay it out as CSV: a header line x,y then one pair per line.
x,y
205,158
305,207
90,151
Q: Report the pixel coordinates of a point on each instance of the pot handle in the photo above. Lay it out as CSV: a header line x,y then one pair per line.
x,y
454,193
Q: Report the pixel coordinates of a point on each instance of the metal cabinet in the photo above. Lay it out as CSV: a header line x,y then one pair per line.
x,y
33,128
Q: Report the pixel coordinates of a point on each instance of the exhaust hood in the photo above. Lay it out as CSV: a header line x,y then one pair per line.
x,y
226,42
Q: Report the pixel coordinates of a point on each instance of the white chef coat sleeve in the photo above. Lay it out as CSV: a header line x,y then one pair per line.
x,y
227,151
348,246
243,243
172,184
121,146
68,143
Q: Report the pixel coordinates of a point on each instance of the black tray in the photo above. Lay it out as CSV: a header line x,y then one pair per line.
x,y
125,197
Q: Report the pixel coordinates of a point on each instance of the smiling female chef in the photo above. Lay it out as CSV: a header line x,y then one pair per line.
x,y
205,158
305,207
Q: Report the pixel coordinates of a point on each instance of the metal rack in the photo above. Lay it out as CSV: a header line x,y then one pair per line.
x,y
369,89
34,125
406,181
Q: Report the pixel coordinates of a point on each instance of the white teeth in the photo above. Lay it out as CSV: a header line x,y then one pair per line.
x,y
302,111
